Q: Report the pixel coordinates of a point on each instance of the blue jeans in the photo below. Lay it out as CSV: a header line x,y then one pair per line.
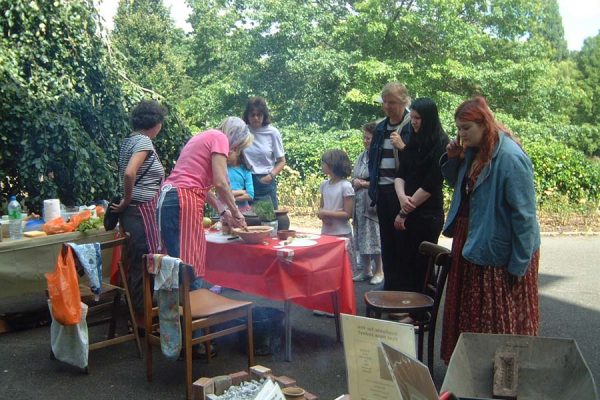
x,y
264,191
168,217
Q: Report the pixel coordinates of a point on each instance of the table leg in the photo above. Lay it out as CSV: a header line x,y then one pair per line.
x,y
336,313
287,307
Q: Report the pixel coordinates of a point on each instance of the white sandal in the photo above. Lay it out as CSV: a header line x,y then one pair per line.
x,y
362,277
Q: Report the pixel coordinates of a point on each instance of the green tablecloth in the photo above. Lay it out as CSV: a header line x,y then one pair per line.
x,y
23,262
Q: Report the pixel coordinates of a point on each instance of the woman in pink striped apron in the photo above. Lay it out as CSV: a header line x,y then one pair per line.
x,y
175,224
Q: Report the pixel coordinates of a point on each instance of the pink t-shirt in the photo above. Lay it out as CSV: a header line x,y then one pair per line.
x,y
194,165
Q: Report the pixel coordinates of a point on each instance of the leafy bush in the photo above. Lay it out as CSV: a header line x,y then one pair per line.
x,y
298,192
298,184
304,147
585,138
561,170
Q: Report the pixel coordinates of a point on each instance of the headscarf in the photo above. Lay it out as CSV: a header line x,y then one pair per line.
x,y
235,129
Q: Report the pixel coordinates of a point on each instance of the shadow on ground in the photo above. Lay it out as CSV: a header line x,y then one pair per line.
x,y
26,371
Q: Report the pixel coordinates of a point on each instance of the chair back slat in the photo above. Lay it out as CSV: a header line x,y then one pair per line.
x,y
434,252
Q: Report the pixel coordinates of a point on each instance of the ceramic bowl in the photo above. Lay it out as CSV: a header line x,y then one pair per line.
x,y
285,233
254,234
293,392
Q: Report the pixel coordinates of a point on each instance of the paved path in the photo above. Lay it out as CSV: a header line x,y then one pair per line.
x,y
570,307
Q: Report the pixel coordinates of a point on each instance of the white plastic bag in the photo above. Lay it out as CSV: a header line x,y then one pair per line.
x,y
70,343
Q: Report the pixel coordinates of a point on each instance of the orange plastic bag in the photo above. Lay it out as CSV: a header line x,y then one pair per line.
x,y
63,289
57,225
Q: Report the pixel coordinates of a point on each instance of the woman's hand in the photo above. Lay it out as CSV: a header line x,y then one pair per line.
x,y
358,183
397,141
323,216
454,149
513,280
409,205
320,214
399,223
266,179
235,219
403,199
117,208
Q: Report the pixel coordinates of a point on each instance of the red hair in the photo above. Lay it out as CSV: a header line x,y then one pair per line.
x,y
477,110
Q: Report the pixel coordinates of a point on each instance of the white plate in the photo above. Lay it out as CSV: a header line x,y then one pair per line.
x,y
310,236
218,237
299,243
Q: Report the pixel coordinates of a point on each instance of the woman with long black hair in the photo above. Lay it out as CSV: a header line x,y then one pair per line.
x,y
418,185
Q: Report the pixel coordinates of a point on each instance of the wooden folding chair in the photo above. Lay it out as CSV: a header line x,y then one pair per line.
x,y
110,301
199,309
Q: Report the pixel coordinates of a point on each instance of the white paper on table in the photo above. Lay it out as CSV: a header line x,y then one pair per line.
x,y
217,237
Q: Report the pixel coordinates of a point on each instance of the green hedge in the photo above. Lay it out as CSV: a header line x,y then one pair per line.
x,y
560,171
585,138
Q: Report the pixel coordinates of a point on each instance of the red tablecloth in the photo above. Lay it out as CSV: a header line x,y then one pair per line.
x,y
304,275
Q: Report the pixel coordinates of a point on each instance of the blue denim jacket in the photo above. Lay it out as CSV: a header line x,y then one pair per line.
x,y
503,228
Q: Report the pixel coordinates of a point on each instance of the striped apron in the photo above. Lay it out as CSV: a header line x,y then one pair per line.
x,y
192,249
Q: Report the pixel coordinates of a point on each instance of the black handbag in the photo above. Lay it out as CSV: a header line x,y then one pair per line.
x,y
111,218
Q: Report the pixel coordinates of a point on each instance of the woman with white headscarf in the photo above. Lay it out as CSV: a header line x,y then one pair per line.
x,y
201,166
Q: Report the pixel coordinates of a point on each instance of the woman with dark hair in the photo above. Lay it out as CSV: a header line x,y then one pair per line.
x,y
492,284
418,185
140,176
265,157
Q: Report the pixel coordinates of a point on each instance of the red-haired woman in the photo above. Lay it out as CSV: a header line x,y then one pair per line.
x,y
492,285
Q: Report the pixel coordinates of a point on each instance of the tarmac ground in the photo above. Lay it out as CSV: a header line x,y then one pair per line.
x,y
569,306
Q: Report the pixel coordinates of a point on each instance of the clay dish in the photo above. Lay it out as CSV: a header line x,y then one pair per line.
x,y
254,234
285,233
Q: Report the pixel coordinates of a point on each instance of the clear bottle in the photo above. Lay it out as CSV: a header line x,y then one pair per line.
x,y
15,225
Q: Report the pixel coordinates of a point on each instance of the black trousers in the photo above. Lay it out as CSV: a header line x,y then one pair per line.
x,y
131,221
403,267
412,264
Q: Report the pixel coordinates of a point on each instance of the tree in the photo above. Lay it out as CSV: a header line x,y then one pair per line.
x,y
152,48
588,63
64,104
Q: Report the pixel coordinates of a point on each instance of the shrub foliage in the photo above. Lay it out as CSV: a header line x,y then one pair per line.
x,y
560,171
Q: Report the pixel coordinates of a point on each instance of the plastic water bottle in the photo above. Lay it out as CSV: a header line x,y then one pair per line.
x,y
15,225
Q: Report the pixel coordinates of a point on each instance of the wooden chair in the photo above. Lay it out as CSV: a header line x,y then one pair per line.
x,y
419,309
199,309
110,302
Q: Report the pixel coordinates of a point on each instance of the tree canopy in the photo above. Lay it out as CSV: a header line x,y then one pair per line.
x,y
64,99
67,85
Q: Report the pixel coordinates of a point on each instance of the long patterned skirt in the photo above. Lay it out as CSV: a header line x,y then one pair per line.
x,y
480,299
